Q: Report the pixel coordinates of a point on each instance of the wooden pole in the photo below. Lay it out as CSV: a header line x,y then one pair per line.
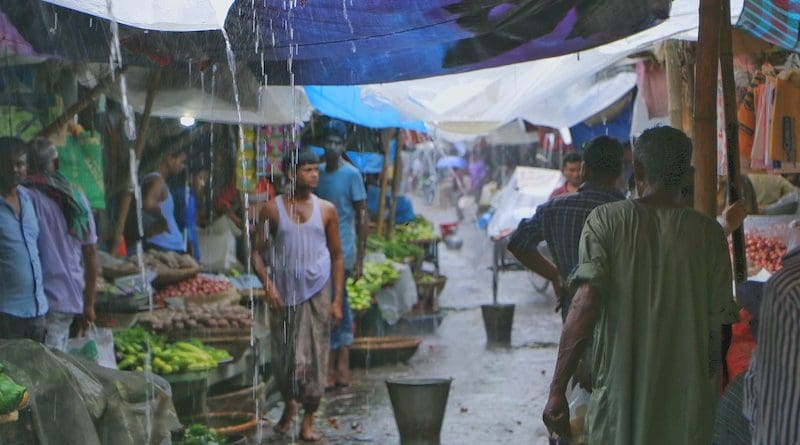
x,y
732,136
141,137
384,180
688,54
80,105
674,83
705,109
395,184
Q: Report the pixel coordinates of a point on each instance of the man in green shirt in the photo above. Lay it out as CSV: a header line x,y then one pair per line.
x,y
654,283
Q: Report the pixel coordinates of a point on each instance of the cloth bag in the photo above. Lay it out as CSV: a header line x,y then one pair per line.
x,y
97,346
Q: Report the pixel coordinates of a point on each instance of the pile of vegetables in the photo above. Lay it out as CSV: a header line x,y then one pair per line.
x,y
133,345
211,316
420,229
765,252
199,285
199,434
12,396
395,249
375,277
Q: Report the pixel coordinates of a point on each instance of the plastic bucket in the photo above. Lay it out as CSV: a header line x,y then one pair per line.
x,y
498,320
448,228
419,406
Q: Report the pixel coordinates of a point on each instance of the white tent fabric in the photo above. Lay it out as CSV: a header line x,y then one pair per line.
x,y
159,15
260,105
277,106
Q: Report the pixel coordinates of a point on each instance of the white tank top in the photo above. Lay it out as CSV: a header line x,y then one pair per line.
x,y
301,261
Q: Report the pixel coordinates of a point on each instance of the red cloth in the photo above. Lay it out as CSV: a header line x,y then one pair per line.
x,y
560,191
742,345
651,78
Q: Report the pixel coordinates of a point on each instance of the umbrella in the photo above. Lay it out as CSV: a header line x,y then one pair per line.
x,y
451,162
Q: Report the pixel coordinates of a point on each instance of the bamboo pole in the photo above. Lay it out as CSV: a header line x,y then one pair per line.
x,y
396,172
732,136
705,108
674,83
688,90
80,105
141,137
384,180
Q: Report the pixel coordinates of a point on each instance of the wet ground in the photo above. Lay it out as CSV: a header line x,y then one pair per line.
x,y
497,395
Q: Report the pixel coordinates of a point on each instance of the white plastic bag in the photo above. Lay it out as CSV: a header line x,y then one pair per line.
x,y
217,244
97,346
578,405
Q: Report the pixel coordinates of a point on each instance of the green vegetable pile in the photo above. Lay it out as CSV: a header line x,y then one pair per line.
x,y
420,229
395,249
376,276
191,355
199,434
12,396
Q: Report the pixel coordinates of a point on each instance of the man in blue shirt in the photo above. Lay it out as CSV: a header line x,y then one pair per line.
x,y
341,183
22,301
173,162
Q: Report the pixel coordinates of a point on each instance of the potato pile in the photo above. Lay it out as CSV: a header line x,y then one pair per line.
x,y
212,316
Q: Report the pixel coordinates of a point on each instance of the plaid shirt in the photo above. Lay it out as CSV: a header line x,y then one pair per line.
x,y
560,222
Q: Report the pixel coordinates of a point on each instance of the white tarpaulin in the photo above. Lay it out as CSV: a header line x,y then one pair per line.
x,y
159,15
181,95
527,189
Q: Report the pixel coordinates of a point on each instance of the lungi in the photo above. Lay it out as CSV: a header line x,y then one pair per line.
x,y
299,340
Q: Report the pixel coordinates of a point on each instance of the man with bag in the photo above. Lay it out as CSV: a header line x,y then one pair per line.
x,y
654,283
67,244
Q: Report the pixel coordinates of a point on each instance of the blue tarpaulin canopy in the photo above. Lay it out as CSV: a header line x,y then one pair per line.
x,y
345,102
334,42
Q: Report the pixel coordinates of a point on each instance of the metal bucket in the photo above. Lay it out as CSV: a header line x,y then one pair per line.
x,y
498,320
419,406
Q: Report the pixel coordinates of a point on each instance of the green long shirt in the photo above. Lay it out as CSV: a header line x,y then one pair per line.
x,y
665,285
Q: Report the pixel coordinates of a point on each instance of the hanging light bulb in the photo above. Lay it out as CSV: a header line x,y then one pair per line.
x,y
187,121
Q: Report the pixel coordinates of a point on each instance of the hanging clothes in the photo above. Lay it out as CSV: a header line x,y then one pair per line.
x,y
746,114
785,125
765,96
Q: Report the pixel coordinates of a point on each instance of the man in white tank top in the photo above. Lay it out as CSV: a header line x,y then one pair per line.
x,y
298,238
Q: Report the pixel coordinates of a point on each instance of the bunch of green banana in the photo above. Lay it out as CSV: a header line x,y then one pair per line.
x,y
375,277
136,345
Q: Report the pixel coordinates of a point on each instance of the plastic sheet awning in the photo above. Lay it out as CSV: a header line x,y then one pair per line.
x,y
334,42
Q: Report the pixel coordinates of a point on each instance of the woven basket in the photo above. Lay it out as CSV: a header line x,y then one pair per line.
x,y
166,277
377,351
230,296
229,423
428,292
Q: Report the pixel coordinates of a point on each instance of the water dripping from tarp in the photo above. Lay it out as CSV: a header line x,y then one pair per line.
x,y
115,62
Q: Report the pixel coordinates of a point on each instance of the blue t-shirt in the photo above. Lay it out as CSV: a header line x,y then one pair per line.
x,y
172,239
22,291
343,187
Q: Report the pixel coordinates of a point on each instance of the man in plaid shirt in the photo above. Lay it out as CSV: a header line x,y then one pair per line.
x,y
560,221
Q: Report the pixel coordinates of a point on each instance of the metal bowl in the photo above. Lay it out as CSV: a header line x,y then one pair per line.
x,y
453,242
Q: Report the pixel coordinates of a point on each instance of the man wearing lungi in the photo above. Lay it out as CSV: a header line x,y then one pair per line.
x,y
298,258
